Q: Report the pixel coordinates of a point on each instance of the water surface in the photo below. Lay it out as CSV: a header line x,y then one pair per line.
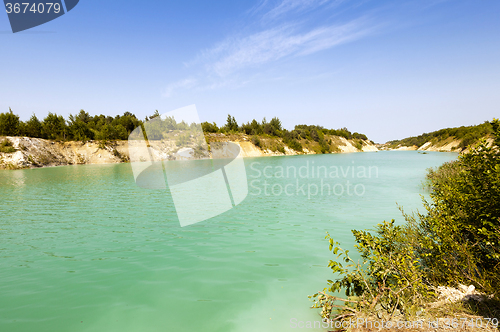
x,y
82,248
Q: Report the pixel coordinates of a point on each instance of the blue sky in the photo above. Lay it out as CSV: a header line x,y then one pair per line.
x,y
389,69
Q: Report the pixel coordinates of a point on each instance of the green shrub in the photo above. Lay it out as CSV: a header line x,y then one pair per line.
x,y
116,153
246,128
6,146
388,279
324,146
268,129
461,231
358,144
294,144
209,127
455,241
256,141
183,139
314,135
359,136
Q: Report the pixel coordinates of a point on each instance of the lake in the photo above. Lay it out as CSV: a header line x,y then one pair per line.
x,y
84,249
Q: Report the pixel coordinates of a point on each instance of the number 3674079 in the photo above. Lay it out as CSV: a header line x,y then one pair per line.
x,y
40,8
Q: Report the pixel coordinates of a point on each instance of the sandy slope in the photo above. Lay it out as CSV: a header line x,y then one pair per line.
x,y
37,152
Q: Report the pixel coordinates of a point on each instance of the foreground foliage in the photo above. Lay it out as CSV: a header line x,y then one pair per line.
x,y
388,280
456,241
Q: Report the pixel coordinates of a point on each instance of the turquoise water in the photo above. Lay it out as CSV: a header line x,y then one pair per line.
x,y
82,248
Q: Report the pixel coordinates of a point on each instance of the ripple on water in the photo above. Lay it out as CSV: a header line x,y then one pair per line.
x,y
84,249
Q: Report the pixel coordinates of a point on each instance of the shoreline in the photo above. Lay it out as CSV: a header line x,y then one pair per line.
x,y
38,153
31,153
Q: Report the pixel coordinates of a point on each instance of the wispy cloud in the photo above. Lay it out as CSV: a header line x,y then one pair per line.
x,y
182,84
284,7
280,36
270,45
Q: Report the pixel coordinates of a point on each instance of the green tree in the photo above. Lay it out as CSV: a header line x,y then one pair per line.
x,y
129,121
83,116
155,114
268,129
246,128
231,124
78,126
33,127
256,128
105,133
314,135
276,125
9,124
120,132
359,136
54,127
209,127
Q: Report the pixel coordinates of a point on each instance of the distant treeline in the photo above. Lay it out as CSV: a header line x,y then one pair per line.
x,y
83,127
274,128
80,127
468,135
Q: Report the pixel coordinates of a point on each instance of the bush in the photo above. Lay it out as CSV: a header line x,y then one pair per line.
x,y
314,135
358,144
246,128
456,241
294,144
256,141
461,231
209,127
359,136
324,146
6,146
469,139
183,139
268,129
388,279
